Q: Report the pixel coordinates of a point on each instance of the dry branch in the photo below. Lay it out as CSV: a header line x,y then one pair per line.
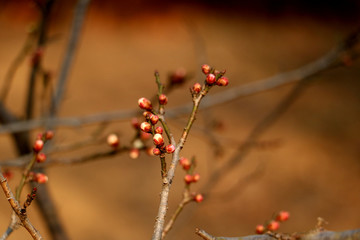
x,y
323,235
17,209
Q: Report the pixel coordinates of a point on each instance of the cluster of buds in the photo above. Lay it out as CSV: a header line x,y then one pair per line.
x,y
213,77
191,178
148,127
30,197
273,224
39,144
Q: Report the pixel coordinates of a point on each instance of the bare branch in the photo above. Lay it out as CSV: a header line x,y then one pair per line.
x,y
323,235
79,16
17,209
329,60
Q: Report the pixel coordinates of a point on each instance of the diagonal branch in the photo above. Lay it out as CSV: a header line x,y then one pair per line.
x,y
17,209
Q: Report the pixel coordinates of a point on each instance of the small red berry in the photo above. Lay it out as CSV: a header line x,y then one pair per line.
x,y
198,198
188,178
41,178
113,140
282,216
158,139
260,229
41,157
196,177
185,163
145,103
223,81
145,126
134,153
163,99
159,130
210,79
156,151
38,145
154,119
170,148
197,87
205,69
273,225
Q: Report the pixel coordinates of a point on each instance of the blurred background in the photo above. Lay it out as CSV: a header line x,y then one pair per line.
x,y
306,162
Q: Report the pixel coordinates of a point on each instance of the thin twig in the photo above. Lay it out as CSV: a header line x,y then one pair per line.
x,y
322,235
164,196
79,16
329,60
245,148
28,45
17,209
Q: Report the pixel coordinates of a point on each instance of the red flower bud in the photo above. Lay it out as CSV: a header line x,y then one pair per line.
x,y
158,139
198,198
273,225
145,103
196,177
154,119
210,79
159,130
41,178
156,151
134,153
145,126
149,151
185,163
260,229
147,115
223,81
41,157
197,87
145,135
49,135
282,216
38,145
113,140
170,148
205,69
178,77
163,99
188,178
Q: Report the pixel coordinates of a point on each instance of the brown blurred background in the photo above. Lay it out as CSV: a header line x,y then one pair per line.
x,y
310,166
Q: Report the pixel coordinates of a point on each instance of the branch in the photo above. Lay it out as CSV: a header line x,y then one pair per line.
x,y
163,206
79,16
329,60
17,209
323,235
